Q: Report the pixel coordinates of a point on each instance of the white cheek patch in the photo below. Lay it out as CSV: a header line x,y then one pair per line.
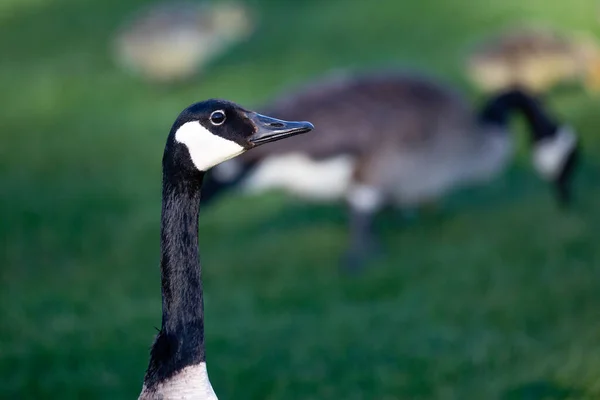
x,y
551,154
205,148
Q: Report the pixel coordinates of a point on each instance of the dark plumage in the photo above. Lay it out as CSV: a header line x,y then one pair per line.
x,y
203,130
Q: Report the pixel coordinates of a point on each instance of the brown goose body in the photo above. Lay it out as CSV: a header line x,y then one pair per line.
x,y
410,137
393,138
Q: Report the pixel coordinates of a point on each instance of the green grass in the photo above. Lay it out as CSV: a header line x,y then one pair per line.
x,y
497,296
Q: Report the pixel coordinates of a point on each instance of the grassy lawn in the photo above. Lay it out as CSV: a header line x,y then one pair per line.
x,y
496,296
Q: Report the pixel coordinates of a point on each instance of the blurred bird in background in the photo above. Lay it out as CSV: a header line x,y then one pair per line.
x,y
173,41
536,59
394,138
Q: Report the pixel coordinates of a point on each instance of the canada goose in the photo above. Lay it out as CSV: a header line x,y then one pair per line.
x,y
203,135
394,138
172,41
535,59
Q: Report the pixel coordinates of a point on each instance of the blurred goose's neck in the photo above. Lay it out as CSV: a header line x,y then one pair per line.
x,y
501,107
177,367
554,146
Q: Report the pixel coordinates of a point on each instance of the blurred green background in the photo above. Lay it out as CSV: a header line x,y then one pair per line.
x,y
496,296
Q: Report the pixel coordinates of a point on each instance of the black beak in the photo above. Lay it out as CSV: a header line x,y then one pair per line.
x,y
562,184
270,129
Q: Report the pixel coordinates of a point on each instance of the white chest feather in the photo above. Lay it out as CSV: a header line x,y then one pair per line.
x,y
191,383
298,174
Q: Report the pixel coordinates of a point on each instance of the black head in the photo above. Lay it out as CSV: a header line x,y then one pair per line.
x,y
563,179
210,132
556,158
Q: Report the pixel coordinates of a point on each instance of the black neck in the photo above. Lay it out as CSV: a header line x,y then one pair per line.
x,y
498,110
180,341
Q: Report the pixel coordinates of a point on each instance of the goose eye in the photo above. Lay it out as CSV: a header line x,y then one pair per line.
x,y
217,117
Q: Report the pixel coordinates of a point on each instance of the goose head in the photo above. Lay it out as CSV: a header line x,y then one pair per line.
x,y
555,148
556,159
210,132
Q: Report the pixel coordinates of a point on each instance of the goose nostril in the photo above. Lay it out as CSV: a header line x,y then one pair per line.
x,y
276,124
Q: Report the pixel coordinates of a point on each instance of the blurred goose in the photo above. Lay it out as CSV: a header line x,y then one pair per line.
x,y
394,138
203,135
534,59
172,41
